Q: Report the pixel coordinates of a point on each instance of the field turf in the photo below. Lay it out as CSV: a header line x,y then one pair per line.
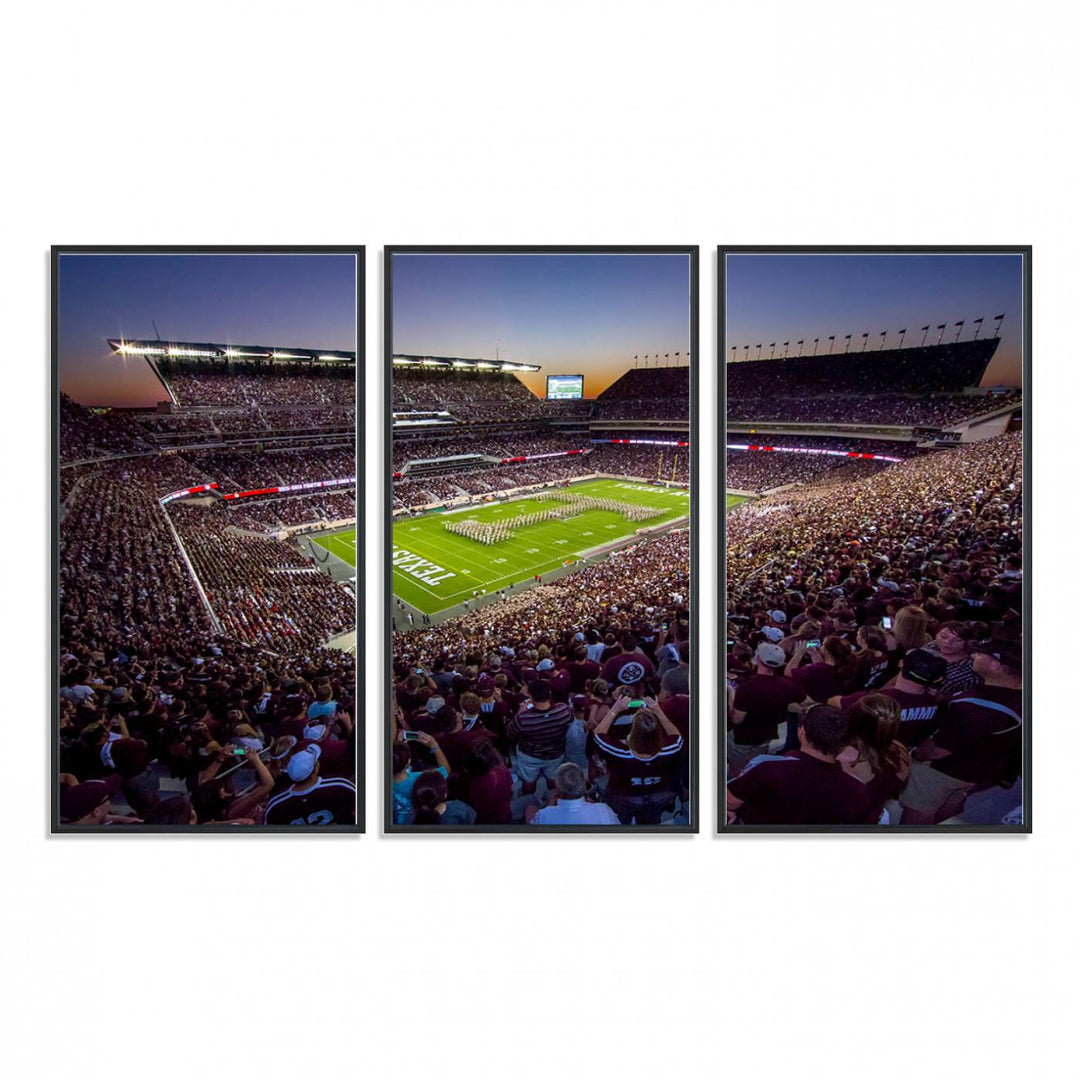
x,y
454,565
342,544
734,500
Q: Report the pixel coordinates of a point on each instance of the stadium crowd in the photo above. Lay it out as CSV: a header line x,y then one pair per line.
x,y
563,703
875,654
85,434
261,385
750,470
892,409
166,718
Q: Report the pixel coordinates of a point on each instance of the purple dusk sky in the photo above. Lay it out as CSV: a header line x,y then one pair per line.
x,y
306,301
571,314
784,297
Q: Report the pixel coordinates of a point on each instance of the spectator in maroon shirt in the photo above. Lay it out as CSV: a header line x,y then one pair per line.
x,y
831,671
871,657
807,786
760,704
490,785
642,766
978,742
457,733
581,669
874,754
914,691
630,666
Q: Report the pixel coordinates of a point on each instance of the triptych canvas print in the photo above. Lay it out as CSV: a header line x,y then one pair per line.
x,y
539,668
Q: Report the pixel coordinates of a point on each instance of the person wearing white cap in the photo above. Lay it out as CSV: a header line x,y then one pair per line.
x,y
759,705
312,799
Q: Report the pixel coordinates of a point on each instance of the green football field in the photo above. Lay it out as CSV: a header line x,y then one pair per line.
x,y
435,569
342,544
734,500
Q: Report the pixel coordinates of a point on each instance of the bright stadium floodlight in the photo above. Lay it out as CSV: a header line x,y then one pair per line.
x,y
139,350
191,352
250,355
288,356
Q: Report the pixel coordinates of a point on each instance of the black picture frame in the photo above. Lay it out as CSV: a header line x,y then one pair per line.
x,y
1023,250
389,827
57,251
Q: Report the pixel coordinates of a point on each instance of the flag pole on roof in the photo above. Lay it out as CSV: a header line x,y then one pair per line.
x,y
978,327
925,331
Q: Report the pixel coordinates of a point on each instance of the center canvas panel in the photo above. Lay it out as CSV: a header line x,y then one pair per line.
x,y
539,539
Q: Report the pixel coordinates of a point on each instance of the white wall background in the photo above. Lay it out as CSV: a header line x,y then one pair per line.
x,y
620,122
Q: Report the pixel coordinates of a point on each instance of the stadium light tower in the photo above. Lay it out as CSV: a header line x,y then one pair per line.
x,y
959,326
1000,319
832,338
902,333
925,331
847,342
864,337
941,332
978,327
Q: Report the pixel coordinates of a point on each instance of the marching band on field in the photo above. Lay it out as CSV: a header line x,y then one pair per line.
x,y
494,532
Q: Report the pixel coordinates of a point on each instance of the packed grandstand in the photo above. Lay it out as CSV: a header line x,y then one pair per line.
x,y
207,644
874,589
561,697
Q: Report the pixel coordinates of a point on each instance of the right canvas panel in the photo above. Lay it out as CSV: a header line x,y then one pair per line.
x,y
875,553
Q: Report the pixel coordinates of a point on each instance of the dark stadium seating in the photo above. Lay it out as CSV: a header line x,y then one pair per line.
x,y
163,674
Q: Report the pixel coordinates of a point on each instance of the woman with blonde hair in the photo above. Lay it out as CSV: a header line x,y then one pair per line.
x,y
908,632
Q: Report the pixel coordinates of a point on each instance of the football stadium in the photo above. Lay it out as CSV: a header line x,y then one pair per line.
x,y
541,591
874,580
207,591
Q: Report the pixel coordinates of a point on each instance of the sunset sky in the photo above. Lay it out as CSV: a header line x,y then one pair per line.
x,y
306,301
786,297
571,314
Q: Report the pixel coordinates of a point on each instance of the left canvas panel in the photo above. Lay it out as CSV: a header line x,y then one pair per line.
x,y
206,506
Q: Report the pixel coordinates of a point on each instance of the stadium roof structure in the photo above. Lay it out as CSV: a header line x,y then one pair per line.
x,y
205,350
953,365
460,362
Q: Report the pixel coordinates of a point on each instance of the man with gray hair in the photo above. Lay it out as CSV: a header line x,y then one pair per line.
x,y
570,807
